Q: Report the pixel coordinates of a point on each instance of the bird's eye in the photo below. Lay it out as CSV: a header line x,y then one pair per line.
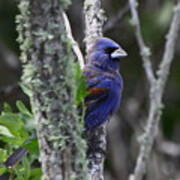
x,y
110,50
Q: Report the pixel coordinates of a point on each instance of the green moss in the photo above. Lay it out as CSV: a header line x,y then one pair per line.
x,y
72,79
55,90
23,25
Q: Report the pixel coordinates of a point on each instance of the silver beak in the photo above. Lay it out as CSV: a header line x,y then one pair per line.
x,y
118,53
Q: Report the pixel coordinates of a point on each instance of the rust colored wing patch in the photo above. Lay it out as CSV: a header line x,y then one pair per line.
x,y
97,91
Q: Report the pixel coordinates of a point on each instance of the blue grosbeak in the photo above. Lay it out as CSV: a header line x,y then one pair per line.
x,y
103,80
104,86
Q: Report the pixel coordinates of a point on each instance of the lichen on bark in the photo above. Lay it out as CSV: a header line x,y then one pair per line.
x,y
48,79
96,139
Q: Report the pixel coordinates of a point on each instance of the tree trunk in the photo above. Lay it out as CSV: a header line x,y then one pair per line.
x,y
48,65
96,139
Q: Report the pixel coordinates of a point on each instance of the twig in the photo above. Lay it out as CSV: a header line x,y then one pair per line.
x,y
113,21
96,139
157,86
169,48
144,50
75,46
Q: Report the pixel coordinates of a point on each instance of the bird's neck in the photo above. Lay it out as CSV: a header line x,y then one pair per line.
x,y
104,67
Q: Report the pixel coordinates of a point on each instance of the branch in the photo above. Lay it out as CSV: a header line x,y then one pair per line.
x,y
75,46
144,50
156,92
169,48
113,21
96,139
94,20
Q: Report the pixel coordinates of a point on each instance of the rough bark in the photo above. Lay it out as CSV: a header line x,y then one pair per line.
x,y
94,20
96,139
48,65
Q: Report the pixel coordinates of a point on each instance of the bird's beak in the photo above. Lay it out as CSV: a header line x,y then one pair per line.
x,y
118,53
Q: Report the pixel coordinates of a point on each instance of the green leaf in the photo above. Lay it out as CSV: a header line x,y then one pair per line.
x,y
7,107
14,134
2,170
5,131
80,90
22,108
12,121
32,146
36,173
20,178
3,155
15,125
13,141
26,90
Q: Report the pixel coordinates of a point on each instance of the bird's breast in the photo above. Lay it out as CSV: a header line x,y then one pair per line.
x,y
115,92
117,84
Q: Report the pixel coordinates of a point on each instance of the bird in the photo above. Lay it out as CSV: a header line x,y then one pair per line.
x,y
104,82
104,88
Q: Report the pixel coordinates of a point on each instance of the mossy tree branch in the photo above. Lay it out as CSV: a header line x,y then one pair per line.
x,y
48,65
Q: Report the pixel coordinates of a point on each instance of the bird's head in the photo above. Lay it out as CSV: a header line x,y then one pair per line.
x,y
105,54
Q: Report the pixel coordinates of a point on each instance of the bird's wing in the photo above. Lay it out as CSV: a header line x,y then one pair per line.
x,y
97,86
97,109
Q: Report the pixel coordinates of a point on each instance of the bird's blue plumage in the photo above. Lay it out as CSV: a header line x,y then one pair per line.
x,y
104,82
